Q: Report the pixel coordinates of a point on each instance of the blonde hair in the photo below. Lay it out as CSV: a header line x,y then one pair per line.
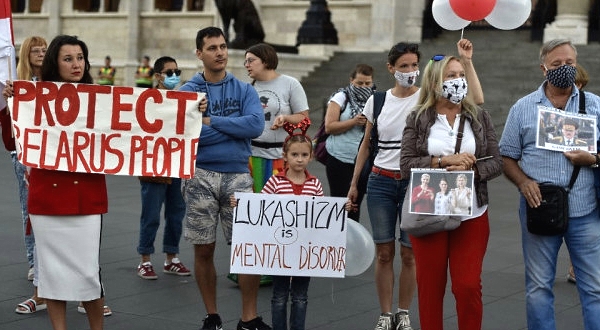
x,y
431,88
24,69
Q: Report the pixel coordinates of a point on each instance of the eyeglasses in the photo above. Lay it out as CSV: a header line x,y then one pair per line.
x,y
437,58
171,71
249,60
38,50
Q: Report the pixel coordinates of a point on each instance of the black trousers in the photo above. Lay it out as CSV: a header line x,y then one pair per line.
x,y
339,176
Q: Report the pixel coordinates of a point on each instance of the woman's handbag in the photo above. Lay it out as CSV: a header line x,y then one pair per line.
x,y
424,224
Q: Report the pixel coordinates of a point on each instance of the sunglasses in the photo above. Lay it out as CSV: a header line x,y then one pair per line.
x,y
437,58
170,72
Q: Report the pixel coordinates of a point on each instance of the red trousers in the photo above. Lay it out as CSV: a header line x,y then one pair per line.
x,y
462,251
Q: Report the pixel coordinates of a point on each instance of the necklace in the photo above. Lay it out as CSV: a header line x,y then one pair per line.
x,y
559,101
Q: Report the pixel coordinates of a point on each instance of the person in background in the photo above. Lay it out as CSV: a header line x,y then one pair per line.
x,y
527,166
233,118
386,186
106,74
144,73
65,209
345,124
157,191
581,80
29,67
428,143
32,54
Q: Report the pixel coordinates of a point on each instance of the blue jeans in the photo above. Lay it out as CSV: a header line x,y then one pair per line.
x,y
283,286
23,192
540,253
153,197
384,202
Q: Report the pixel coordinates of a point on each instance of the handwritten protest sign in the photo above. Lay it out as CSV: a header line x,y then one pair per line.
x,y
289,235
106,129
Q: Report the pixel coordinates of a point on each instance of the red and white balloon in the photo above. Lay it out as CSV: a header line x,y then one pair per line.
x,y
501,14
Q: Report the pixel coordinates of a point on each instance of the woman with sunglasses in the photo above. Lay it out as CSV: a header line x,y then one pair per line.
x,y
386,186
157,191
429,141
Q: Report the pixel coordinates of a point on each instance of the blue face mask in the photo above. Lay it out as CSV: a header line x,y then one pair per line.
x,y
171,81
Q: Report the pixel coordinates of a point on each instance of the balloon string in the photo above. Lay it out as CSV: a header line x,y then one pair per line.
x,y
462,31
332,296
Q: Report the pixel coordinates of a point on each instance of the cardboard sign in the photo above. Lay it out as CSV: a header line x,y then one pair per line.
x,y
289,235
106,129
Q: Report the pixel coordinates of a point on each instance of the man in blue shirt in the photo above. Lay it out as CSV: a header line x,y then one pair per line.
x,y
527,166
234,117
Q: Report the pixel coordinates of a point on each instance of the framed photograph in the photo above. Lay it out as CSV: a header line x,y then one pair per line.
x,y
561,131
435,191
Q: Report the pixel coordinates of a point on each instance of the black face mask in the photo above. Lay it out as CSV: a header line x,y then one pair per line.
x,y
561,77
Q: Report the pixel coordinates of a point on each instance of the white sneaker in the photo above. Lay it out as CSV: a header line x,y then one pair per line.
x,y
402,321
385,322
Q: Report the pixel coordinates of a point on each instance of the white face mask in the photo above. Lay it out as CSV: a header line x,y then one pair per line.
x,y
406,79
455,90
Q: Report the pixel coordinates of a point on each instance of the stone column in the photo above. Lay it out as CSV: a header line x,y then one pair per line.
x,y
133,46
571,22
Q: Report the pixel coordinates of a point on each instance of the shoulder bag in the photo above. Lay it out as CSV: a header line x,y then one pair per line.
x,y
424,224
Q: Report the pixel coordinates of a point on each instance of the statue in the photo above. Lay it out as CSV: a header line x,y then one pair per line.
x,y
246,23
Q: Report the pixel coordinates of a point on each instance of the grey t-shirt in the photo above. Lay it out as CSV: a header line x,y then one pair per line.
x,y
283,95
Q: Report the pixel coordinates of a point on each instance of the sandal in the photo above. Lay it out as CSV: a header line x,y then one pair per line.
x,y
29,306
107,310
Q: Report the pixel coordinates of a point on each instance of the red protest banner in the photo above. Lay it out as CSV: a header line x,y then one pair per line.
x,y
106,129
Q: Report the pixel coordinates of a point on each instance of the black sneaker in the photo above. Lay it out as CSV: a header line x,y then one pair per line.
x,y
212,322
255,324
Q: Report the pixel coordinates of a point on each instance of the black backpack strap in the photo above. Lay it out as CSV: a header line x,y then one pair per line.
x,y
378,101
578,167
581,101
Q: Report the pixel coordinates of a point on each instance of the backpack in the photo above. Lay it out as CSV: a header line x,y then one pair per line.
x,y
321,136
378,101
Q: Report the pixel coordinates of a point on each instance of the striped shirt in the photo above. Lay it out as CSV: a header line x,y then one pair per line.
x,y
546,166
280,184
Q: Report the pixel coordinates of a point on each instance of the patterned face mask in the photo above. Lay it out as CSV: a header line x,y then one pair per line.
x,y
455,90
561,77
406,79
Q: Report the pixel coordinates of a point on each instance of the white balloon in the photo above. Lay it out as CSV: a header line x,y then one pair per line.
x,y
509,14
360,248
445,16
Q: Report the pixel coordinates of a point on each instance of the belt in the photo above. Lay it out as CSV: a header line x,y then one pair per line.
x,y
266,145
390,174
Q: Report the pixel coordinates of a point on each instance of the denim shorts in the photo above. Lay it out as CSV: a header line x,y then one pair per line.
x,y
207,196
384,202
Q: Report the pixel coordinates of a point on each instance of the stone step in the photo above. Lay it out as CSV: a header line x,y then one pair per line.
x,y
507,64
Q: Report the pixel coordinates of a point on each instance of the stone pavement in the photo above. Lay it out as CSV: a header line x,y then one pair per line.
x,y
174,302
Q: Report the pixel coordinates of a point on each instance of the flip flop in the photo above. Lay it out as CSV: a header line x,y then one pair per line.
x,y
29,306
107,310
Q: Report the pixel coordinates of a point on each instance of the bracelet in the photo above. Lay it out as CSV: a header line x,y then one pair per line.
x,y
440,161
597,163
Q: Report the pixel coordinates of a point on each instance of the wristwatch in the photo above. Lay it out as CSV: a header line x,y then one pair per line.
x,y
597,163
